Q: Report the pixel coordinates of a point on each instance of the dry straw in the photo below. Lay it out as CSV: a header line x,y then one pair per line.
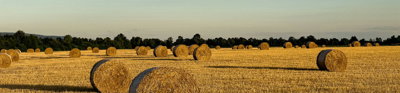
x,y
241,46
95,50
235,47
142,50
75,53
164,80
217,47
249,46
5,60
14,55
48,51
181,51
89,48
288,45
264,46
332,60
37,50
160,51
3,50
191,48
30,50
202,53
111,51
311,45
356,44
368,44
110,77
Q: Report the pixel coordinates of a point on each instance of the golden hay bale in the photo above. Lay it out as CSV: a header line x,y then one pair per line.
x,y
48,51
164,80
14,55
172,48
249,46
111,51
160,51
368,44
19,51
205,45
5,60
311,44
75,53
288,45
241,46
3,50
377,44
142,50
356,44
264,46
181,51
202,53
303,46
148,47
217,47
37,50
235,47
110,77
323,46
89,48
191,48
30,50
332,60
95,50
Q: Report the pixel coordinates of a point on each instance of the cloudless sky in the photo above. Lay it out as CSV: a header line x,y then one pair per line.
x,y
210,18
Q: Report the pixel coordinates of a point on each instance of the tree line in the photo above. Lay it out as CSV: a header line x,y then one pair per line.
x,y
21,40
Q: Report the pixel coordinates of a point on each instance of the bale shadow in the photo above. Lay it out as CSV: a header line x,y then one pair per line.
x,y
53,88
282,68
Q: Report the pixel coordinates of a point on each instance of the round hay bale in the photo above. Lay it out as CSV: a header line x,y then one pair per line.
x,y
217,47
148,47
368,44
89,48
5,60
303,46
202,53
19,51
30,50
311,45
3,50
264,46
75,53
288,45
191,48
37,50
332,60
377,44
249,46
14,55
95,50
181,51
110,77
297,46
241,46
235,47
356,44
204,45
160,51
142,50
164,80
48,51
111,51
136,48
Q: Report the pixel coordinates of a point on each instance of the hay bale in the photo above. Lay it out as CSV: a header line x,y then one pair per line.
x,y
110,77
181,51
377,44
332,60
311,45
30,50
288,45
164,80
235,47
217,47
323,46
241,46
37,50
202,53
89,48
95,50
160,51
75,53
14,55
19,51
368,44
148,47
204,45
142,50
48,51
5,60
356,44
264,46
303,46
249,46
136,48
111,51
191,48
3,50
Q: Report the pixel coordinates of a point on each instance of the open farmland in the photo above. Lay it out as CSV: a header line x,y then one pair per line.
x,y
370,69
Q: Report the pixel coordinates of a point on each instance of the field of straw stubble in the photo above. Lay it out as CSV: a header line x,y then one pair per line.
x,y
370,69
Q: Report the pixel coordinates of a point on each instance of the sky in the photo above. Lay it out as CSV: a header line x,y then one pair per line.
x,y
210,18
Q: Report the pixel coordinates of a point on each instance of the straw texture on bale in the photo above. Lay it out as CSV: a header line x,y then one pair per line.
x,y
332,60
30,50
95,50
202,53
241,46
356,44
164,80
377,44
311,45
3,50
110,77
235,47
249,46
160,51
89,48
181,51
288,45
204,45
148,47
368,44
217,47
264,46
75,53
142,50
111,51
37,50
5,60
191,48
13,54
48,51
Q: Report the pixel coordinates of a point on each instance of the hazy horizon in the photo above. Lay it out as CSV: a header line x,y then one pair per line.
x,y
210,18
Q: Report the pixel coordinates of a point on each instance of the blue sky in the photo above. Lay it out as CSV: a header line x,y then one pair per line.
x,y
210,18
